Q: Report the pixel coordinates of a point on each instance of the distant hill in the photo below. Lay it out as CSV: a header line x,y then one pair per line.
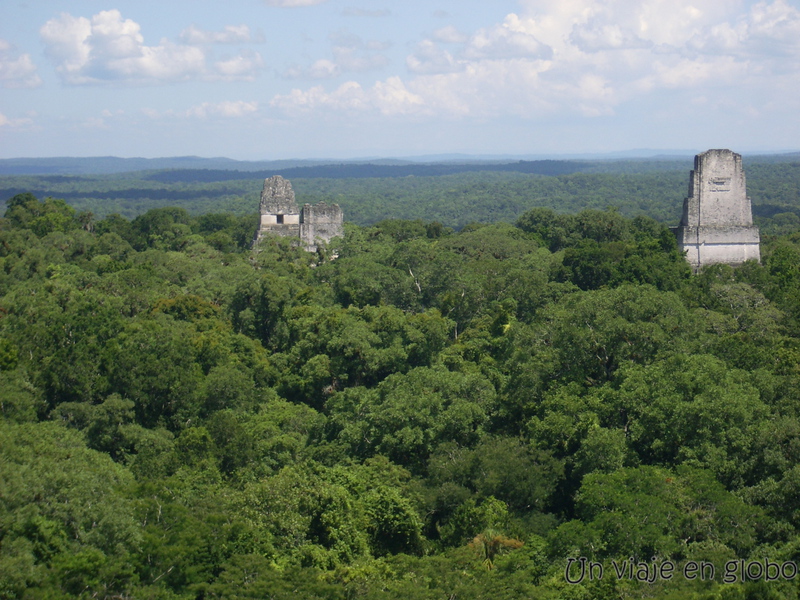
x,y
102,165
453,193
223,169
438,164
371,170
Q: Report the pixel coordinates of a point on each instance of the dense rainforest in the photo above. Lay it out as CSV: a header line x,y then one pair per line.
x,y
411,412
453,194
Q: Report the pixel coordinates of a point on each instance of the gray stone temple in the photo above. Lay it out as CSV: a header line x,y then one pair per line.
x,y
312,225
717,222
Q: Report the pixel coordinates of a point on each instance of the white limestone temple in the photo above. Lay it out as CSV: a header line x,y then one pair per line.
x,y
717,222
313,224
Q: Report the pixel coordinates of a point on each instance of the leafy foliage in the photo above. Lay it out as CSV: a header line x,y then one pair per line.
x,y
431,414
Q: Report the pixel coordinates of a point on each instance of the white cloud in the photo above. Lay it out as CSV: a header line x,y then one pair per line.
x,y
114,37
587,58
778,20
231,34
390,97
450,35
429,58
66,44
507,40
349,95
167,62
491,88
229,109
226,109
670,22
355,60
108,49
774,30
350,54
94,123
242,67
688,73
14,123
16,71
593,37
293,3
319,69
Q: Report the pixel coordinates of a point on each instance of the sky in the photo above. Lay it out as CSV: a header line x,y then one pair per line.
x,y
282,79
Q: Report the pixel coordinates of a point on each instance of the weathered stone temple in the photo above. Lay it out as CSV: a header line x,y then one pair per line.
x,y
717,223
313,224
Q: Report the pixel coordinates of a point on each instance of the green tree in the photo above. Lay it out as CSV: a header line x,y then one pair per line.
x,y
650,511
152,362
408,415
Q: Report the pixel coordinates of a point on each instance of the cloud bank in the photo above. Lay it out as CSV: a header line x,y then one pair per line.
x,y
228,109
231,34
583,57
110,49
16,70
349,54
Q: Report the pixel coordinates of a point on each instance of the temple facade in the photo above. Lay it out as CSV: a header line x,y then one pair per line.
x,y
280,215
717,222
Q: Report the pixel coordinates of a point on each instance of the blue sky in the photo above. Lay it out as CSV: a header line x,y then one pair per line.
x,y
273,79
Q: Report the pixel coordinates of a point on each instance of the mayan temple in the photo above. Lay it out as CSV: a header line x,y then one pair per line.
x,y
312,225
717,222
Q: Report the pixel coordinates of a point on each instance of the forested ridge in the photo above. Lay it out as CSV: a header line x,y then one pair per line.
x,y
482,193
431,414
